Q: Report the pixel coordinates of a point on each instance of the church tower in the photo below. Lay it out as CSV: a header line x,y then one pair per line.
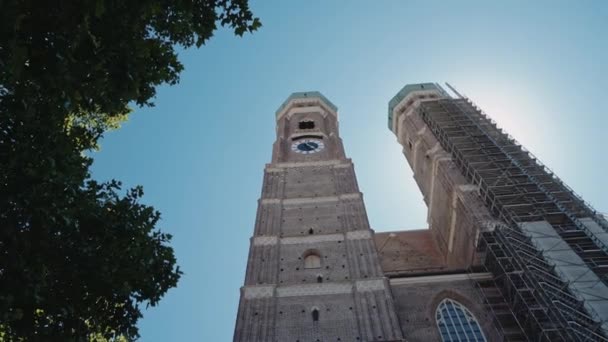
x,y
313,273
535,251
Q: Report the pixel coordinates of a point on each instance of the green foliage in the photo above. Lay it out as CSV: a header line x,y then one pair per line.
x,y
97,56
78,258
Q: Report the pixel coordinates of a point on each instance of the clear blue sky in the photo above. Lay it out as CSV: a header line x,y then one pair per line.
x,y
540,69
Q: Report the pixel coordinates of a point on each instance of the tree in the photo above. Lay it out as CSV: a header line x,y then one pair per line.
x,y
79,258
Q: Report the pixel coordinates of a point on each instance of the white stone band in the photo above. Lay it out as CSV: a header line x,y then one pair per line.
x,y
334,162
250,292
294,240
370,285
444,278
265,240
359,234
270,201
304,200
314,289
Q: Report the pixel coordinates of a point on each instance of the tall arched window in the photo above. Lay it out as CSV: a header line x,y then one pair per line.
x,y
312,260
315,315
456,323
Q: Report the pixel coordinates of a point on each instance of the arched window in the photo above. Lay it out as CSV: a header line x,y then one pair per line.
x,y
315,315
312,260
456,323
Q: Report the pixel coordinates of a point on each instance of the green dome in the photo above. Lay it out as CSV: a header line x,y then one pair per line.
x,y
405,92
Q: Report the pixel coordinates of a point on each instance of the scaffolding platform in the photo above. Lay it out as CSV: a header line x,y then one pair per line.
x,y
545,302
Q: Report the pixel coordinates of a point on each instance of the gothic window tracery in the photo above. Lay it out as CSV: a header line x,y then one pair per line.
x,y
456,323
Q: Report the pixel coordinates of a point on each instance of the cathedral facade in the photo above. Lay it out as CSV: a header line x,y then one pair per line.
x,y
511,253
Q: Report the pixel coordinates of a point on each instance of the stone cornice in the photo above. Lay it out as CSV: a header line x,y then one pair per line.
x,y
294,240
439,278
304,200
314,289
279,167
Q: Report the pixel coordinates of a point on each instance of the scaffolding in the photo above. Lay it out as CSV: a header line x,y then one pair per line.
x,y
516,189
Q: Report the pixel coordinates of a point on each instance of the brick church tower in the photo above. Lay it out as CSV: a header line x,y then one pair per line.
x,y
535,254
313,273
510,252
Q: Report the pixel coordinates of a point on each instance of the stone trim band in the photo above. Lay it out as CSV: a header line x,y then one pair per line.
x,y
294,240
334,288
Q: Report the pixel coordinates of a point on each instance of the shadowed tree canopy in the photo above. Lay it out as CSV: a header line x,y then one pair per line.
x,y
79,258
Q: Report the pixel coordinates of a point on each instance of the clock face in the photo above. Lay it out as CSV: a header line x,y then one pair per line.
x,y
307,146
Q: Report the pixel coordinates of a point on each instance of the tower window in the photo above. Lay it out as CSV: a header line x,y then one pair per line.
x,y
319,279
312,260
306,125
315,315
457,323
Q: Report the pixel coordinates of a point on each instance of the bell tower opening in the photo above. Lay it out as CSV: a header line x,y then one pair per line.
x,y
307,124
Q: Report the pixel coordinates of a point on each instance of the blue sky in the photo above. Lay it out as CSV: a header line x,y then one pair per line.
x,y
538,68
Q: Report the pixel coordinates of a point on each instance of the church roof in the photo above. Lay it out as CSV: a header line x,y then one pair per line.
x,y
405,91
306,94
